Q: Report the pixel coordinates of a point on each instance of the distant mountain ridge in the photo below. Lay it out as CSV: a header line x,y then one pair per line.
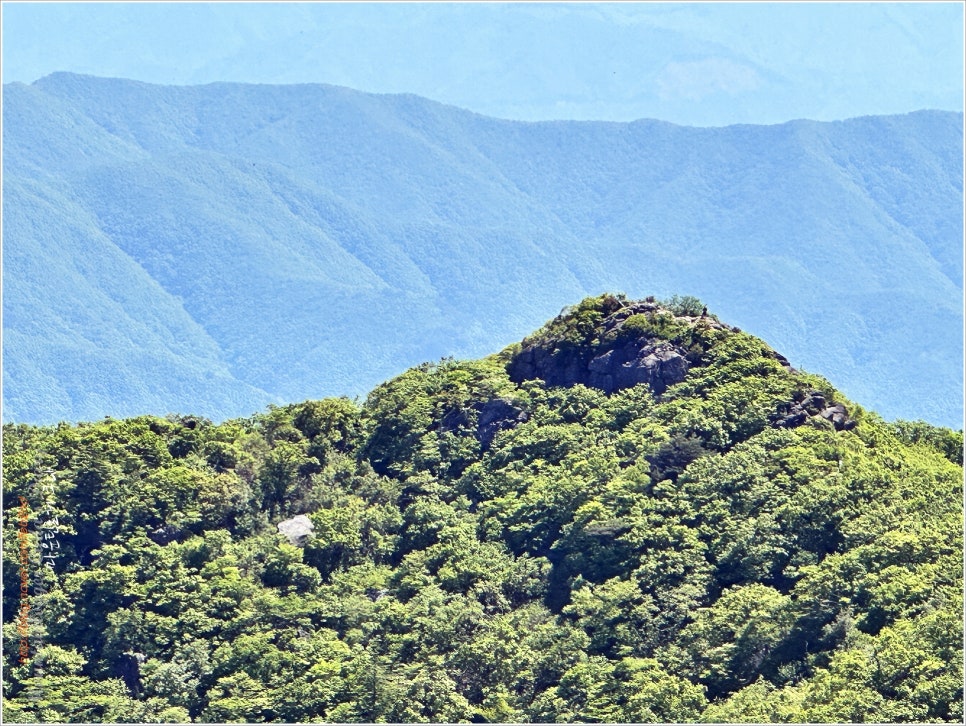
x,y
216,248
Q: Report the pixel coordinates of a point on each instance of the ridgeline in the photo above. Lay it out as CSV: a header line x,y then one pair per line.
x,y
219,248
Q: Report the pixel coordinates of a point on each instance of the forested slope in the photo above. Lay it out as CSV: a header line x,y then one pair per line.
x,y
636,514
217,248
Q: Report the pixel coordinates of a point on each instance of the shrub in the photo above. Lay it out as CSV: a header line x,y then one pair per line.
x,y
661,325
684,305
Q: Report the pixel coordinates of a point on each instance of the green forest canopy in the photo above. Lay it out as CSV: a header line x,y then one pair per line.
x,y
486,549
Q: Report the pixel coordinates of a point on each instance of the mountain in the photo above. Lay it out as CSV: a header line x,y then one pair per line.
x,y
219,247
636,514
700,64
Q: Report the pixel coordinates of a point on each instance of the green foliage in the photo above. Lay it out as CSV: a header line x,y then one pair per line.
x,y
948,443
619,558
657,325
684,305
578,325
674,456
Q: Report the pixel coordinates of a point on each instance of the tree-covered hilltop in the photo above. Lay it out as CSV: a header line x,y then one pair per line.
x,y
637,514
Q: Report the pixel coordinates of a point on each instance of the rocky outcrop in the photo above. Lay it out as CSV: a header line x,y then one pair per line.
x,y
164,534
782,360
811,403
619,358
839,416
492,417
297,529
660,364
495,416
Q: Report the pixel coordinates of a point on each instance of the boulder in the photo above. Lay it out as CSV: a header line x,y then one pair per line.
x,y
839,417
164,535
297,529
811,403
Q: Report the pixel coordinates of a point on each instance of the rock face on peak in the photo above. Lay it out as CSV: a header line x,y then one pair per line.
x,y
636,342
610,343
659,364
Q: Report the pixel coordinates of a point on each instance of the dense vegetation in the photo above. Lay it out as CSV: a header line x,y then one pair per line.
x,y
217,248
485,550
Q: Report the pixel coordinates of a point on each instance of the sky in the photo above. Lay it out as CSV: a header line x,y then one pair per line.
x,y
701,64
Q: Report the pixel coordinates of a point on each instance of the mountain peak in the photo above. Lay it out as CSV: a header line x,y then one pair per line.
x,y
710,382
611,343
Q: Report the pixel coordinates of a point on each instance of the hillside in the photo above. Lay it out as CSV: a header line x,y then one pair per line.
x,y
636,514
216,248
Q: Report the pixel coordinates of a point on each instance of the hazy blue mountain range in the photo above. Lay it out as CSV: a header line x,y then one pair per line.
x,y
215,248
700,64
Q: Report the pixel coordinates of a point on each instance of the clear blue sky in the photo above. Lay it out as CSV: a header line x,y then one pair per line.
x,y
693,63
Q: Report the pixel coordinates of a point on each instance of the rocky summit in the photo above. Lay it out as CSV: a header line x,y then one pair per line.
x,y
627,350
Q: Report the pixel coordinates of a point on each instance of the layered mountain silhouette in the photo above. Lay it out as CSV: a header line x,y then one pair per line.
x,y
216,248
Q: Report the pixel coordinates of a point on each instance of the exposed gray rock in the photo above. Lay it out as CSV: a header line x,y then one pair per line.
x,y
839,417
495,416
453,420
659,365
791,420
297,529
128,668
783,360
613,357
376,594
609,367
164,534
812,403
